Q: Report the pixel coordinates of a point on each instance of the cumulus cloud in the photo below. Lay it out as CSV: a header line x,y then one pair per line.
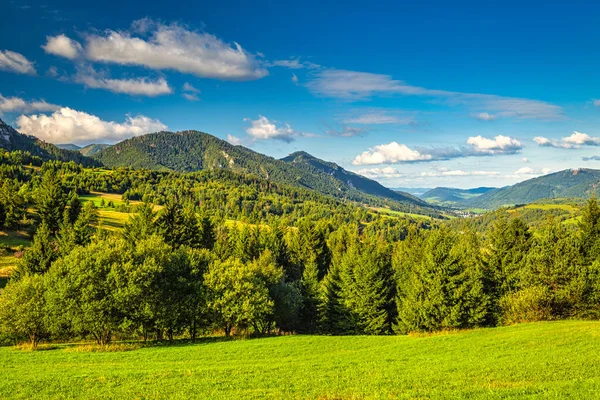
x,y
380,173
234,140
394,153
353,85
390,153
263,129
15,62
174,46
499,145
19,105
71,126
63,46
133,86
574,141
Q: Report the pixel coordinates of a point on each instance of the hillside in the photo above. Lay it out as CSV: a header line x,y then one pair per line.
x,y
313,165
12,140
540,360
189,151
452,196
570,183
92,149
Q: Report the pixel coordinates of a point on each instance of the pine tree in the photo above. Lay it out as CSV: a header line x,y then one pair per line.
x,y
51,200
334,317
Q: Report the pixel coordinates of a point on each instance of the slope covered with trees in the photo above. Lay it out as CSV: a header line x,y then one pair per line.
x,y
11,140
578,183
195,151
453,196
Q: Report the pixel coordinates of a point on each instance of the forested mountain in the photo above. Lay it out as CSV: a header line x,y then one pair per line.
x,y
189,151
303,160
12,140
452,196
579,183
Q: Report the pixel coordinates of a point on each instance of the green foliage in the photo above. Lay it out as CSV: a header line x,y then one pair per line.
x,y
23,309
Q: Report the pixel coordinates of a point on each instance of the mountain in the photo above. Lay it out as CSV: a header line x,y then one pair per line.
x,y
313,165
452,196
88,151
578,183
69,146
93,149
194,151
12,140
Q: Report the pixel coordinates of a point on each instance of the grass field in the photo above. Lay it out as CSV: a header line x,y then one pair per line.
x,y
541,360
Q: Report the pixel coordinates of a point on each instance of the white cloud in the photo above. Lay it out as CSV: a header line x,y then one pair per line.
x,y
175,47
381,173
394,153
263,129
71,126
390,153
15,62
597,103
293,63
525,171
353,85
499,145
380,118
63,46
483,116
190,97
525,160
234,140
295,79
188,87
17,104
574,141
134,87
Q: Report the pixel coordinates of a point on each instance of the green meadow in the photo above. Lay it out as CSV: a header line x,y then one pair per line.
x,y
538,360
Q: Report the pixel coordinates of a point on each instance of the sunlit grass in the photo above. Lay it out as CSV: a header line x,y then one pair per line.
x,y
542,360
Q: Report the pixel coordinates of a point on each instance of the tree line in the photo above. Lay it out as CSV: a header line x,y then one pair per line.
x,y
182,270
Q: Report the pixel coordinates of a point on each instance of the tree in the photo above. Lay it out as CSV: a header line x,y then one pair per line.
x,y
368,287
334,317
141,225
51,200
22,308
82,288
446,288
238,295
40,255
590,231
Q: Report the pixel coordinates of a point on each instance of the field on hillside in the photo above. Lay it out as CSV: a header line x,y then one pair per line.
x,y
541,360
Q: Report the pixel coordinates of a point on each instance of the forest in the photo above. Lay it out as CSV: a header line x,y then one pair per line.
x,y
220,252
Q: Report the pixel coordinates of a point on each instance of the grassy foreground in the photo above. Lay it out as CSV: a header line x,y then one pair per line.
x,y
542,360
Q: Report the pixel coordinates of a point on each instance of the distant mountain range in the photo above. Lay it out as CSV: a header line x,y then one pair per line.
x,y
88,151
414,191
452,196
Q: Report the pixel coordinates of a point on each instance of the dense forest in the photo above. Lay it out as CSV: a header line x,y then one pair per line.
x,y
221,251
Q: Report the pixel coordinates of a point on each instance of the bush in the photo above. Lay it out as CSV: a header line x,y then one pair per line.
x,y
527,305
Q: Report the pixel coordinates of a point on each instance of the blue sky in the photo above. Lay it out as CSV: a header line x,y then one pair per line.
x,y
413,95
